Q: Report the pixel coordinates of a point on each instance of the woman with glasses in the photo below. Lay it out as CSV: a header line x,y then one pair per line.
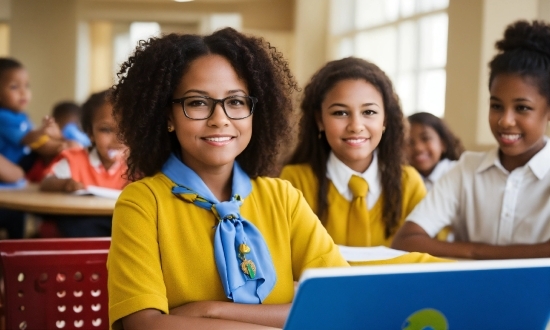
x,y
202,239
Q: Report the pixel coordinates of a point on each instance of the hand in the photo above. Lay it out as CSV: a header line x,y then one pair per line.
x,y
50,128
72,185
52,148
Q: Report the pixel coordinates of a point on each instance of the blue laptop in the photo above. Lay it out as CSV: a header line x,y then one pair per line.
x,y
495,294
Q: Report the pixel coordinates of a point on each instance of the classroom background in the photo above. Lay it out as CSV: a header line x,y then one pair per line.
x,y
436,51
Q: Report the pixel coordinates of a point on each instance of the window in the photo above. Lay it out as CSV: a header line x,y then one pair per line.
x,y
405,38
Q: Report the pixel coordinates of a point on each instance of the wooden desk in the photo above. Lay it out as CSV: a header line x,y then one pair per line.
x,y
31,199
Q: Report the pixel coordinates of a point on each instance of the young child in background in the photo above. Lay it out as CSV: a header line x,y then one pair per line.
x,y
19,142
103,165
204,240
68,115
349,162
497,201
432,148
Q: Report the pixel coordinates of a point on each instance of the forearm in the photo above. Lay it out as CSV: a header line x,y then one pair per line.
x,y
51,148
266,315
31,137
413,238
433,246
153,319
10,172
52,183
517,251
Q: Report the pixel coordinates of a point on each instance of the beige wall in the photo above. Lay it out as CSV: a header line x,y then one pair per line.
x,y
463,65
311,37
4,39
43,38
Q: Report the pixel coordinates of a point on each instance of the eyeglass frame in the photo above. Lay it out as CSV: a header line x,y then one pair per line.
x,y
253,99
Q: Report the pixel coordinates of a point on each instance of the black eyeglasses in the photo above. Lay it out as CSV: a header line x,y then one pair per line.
x,y
202,107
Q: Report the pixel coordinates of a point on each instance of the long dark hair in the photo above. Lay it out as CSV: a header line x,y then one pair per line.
x,y
453,145
315,151
150,76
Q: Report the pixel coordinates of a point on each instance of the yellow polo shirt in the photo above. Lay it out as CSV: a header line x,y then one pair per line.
x,y
162,253
335,217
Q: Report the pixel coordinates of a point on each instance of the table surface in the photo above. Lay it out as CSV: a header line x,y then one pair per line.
x,y
31,199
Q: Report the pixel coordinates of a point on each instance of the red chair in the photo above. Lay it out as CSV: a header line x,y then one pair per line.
x,y
55,283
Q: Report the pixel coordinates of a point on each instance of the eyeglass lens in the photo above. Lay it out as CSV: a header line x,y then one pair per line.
x,y
200,107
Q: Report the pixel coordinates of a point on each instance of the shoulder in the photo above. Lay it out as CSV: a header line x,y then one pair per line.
x,y
8,116
410,175
274,191
412,183
74,152
155,187
299,175
294,170
472,159
274,185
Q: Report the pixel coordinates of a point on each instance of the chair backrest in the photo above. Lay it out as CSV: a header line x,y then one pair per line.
x,y
55,283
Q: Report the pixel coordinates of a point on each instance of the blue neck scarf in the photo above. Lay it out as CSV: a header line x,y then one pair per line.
x,y
242,257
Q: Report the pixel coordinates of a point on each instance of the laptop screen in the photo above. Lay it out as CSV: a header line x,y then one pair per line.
x,y
507,294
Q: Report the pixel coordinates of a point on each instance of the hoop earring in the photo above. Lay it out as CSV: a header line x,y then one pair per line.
x,y
170,128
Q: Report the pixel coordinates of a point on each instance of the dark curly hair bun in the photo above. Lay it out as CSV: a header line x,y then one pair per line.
x,y
525,51
533,36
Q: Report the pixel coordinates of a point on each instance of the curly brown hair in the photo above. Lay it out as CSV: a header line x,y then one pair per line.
x,y
141,99
315,151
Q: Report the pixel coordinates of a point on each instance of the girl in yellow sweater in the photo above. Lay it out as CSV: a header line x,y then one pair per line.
x,y
349,161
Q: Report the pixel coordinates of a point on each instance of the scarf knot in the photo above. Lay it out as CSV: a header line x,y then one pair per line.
x,y
226,210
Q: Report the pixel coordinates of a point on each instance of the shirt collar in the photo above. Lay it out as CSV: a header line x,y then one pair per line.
x,y
539,163
340,174
441,168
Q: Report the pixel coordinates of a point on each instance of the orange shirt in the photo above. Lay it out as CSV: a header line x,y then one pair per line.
x,y
84,167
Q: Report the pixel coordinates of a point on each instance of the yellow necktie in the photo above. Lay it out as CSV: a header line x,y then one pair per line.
x,y
358,218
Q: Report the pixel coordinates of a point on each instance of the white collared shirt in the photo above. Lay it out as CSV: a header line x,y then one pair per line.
x,y
483,202
442,167
340,174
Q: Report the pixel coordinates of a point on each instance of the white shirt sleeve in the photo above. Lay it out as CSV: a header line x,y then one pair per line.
x,y
61,169
441,205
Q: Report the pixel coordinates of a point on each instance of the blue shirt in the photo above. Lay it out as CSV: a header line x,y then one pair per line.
x,y
15,126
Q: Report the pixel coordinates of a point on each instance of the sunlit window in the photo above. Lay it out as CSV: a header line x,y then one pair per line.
x,y
406,38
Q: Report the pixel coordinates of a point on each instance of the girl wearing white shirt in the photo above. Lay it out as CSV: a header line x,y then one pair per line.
x,y
497,201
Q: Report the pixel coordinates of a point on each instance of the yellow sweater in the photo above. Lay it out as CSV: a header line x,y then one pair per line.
x,y
335,217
